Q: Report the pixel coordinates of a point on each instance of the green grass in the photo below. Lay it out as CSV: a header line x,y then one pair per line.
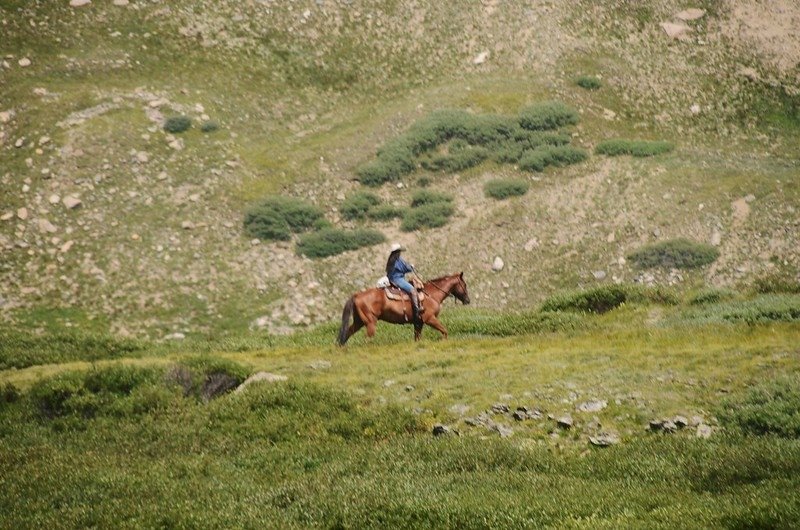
x,y
588,82
637,148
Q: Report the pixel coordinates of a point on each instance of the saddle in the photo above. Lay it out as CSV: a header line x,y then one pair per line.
x,y
393,293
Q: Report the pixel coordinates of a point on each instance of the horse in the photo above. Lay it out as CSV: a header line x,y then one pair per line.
x,y
367,307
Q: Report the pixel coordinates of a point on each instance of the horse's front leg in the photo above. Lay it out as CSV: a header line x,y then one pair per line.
x,y
417,331
437,325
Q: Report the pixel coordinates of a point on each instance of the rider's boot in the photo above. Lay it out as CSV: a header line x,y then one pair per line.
x,y
416,307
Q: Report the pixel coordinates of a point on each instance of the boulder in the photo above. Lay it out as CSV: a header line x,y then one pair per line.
x,y
261,377
498,264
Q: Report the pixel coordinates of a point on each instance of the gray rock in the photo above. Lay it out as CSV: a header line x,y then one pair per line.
x,y
680,421
500,408
175,336
592,406
320,365
503,430
441,430
692,13
498,264
604,439
675,31
599,275
749,198
459,408
261,377
22,213
669,426
565,422
704,431
79,3
409,388
24,62
216,385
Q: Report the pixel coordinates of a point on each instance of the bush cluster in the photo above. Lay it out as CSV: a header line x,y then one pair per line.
x,y
778,282
276,218
542,157
674,254
472,139
429,209
588,82
384,212
177,124
509,325
711,295
209,126
332,241
607,297
638,148
20,349
505,188
357,205
770,408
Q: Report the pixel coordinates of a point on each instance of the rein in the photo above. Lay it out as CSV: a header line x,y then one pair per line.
x,y
446,293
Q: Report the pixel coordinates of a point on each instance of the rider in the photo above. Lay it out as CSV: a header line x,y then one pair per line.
x,y
396,270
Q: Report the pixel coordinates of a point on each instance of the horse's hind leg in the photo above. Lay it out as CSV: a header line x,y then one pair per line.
x,y
354,327
417,331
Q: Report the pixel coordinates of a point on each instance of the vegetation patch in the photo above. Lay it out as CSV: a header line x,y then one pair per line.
x,y
332,241
762,309
357,205
512,324
177,124
455,140
638,148
428,215
276,218
607,297
542,157
505,188
423,197
19,349
209,126
674,254
778,282
548,116
769,408
589,82
385,212
711,295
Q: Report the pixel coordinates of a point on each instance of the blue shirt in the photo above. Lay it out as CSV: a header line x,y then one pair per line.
x,y
401,268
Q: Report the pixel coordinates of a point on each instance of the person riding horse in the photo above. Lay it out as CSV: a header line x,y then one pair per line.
x,y
396,270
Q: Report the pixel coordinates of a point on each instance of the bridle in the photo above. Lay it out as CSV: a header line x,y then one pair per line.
x,y
446,293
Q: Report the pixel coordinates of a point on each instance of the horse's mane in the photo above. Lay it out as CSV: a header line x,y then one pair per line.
x,y
440,278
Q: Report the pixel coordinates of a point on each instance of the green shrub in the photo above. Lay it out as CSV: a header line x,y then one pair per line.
x,y
639,148
505,188
385,212
206,377
547,116
275,218
209,126
542,157
769,408
777,282
711,295
427,215
588,82
424,182
760,310
331,241
177,124
674,254
422,197
358,204
9,393
461,156
393,161
607,297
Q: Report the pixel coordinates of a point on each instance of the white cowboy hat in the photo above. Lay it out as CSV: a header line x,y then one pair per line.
x,y
396,246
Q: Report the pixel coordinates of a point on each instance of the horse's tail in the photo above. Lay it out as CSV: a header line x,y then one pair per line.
x,y
346,315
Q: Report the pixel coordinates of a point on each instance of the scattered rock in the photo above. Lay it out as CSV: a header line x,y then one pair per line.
x,y
667,426
459,408
704,431
691,14
524,413
388,383
175,336
604,439
500,408
599,275
716,238
441,430
749,198
531,244
6,216
142,157
187,225
66,246
680,421
46,227
695,109
409,388
592,406
79,3
24,62
480,58
498,264
503,430
5,116
260,377
121,3
675,31
320,365
54,199
71,202
216,385
565,422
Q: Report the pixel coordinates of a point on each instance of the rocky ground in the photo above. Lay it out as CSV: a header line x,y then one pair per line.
x,y
107,219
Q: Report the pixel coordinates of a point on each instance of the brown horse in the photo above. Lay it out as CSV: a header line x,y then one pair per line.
x,y
367,307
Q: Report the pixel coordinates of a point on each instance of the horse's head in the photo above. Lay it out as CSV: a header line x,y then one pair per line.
x,y
459,289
